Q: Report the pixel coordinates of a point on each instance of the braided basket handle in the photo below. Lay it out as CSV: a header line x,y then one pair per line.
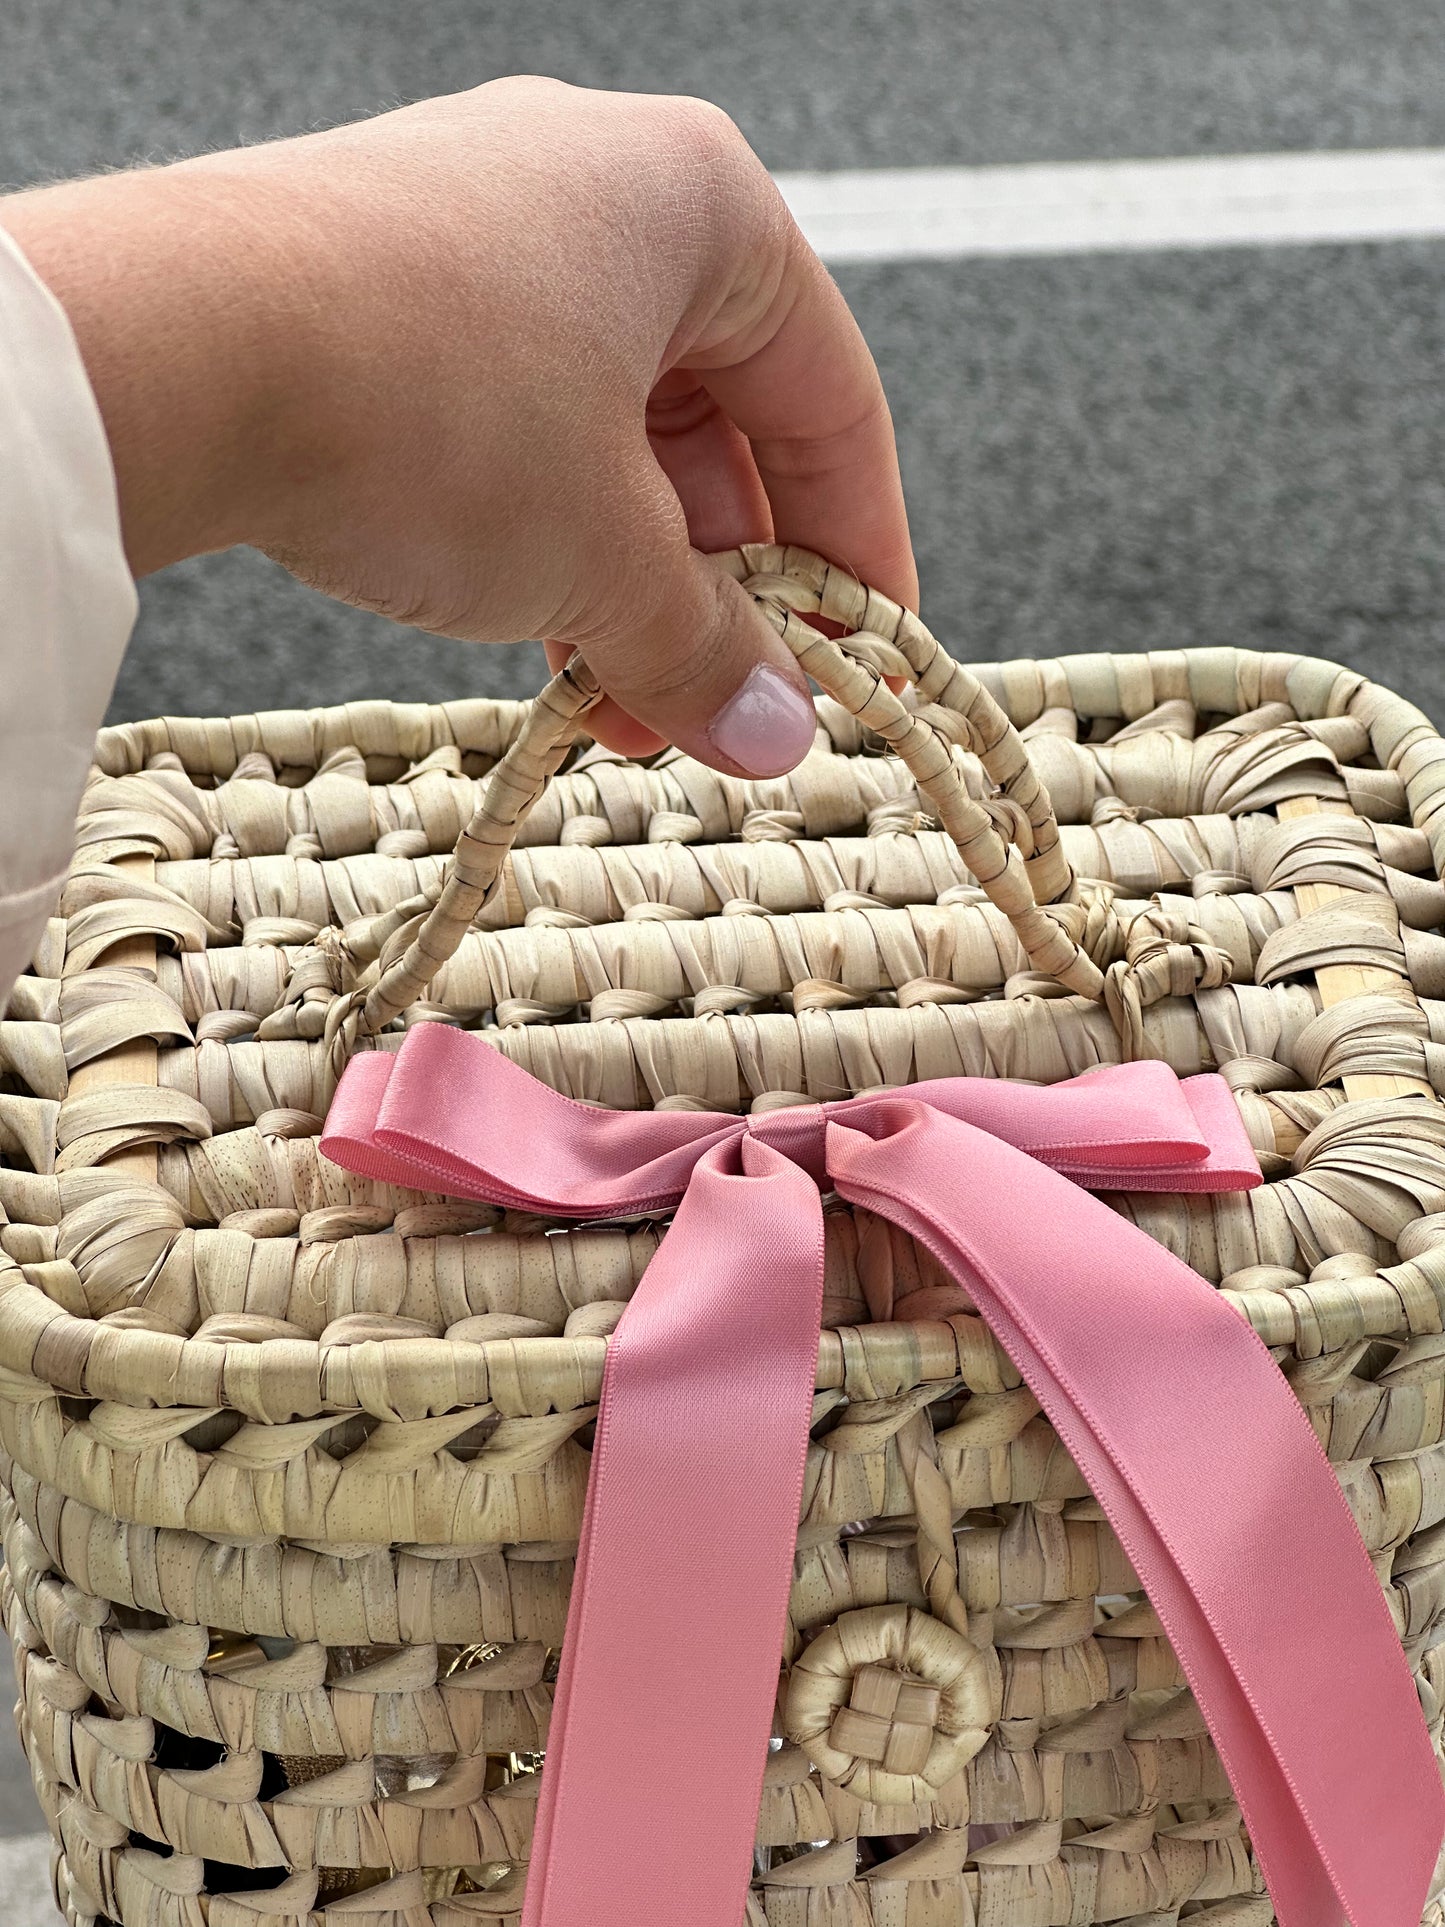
x,y
1011,844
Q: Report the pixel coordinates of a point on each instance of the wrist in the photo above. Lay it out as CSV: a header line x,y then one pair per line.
x,y
187,316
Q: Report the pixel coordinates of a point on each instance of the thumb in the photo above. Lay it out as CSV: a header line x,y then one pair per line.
x,y
681,649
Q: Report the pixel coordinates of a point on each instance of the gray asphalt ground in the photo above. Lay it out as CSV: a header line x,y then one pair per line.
x,y
1102,452
1110,452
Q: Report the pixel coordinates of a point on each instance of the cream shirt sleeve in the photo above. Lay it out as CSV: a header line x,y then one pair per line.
x,y
67,601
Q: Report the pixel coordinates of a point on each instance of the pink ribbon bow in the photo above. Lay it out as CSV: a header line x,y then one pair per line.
x,y
1173,1410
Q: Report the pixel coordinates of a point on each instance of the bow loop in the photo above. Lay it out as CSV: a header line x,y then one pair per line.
x,y
450,1112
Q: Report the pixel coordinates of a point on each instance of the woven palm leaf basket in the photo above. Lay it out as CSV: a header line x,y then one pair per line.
x,y
294,1462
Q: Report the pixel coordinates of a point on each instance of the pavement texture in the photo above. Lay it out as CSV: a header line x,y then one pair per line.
x,y
1109,452
25,1881
1105,452
815,83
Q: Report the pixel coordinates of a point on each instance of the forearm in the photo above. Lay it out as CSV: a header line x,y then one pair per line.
x,y
182,287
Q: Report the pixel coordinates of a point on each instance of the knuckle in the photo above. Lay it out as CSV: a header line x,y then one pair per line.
x,y
708,146
527,87
726,202
709,127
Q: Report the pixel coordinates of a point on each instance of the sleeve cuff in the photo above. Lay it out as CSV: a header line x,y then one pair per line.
x,y
70,602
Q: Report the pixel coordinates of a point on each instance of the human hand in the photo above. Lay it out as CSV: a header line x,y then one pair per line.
x,y
499,364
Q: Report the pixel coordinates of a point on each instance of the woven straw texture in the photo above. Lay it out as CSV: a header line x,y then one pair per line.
x,y
294,1462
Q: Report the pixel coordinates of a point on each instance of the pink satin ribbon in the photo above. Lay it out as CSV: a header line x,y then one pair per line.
x,y
1175,1413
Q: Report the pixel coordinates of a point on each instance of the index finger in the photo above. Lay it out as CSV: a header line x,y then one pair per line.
x,y
805,390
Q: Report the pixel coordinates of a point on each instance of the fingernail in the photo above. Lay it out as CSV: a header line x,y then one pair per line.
x,y
767,727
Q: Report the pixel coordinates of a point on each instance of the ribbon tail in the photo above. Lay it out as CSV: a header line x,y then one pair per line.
x,y
664,1703
1227,1508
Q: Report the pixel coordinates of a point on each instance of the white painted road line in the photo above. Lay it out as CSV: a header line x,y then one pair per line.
x,y
1237,200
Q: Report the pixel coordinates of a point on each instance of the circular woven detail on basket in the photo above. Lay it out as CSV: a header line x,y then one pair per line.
x,y
889,1703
